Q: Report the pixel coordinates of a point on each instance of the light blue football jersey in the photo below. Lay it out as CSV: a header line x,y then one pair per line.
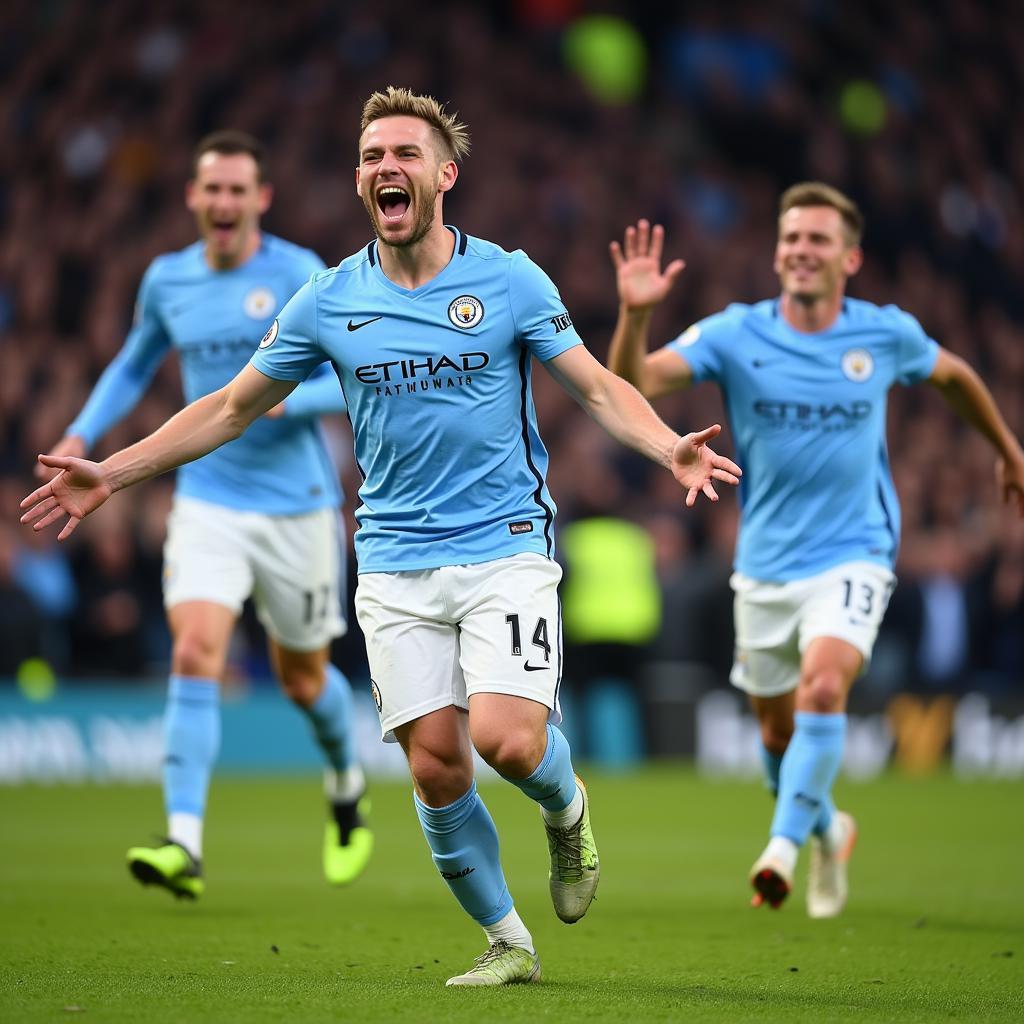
x,y
437,381
214,320
807,413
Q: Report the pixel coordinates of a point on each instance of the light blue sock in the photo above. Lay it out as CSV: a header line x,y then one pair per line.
x,y
772,766
191,740
464,843
553,782
332,720
809,767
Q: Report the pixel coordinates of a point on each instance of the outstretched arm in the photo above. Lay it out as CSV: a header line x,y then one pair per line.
x,y
967,394
82,486
624,413
641,286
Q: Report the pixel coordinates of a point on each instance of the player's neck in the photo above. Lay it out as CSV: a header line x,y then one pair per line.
x,y
412,266
231,261
814,316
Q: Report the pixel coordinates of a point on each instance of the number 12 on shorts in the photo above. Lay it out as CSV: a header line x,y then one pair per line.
x,y
540,636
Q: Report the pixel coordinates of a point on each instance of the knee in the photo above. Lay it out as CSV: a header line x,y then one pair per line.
x,y
194,654
513,753
439,780
822,692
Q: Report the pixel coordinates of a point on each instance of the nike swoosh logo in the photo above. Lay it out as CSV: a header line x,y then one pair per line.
x,y
355,327
536,668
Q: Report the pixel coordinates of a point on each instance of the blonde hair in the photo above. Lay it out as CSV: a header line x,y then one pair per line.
x,y
451,133
817,193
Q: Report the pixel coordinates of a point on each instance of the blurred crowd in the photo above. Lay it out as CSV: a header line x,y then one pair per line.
x,y
908,107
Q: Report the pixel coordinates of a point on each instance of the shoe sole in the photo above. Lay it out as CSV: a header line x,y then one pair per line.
x,y
771,887
534,975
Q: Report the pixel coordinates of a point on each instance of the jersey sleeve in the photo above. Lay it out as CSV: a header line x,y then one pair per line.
x,y
916,353
701,345
290,350
542,323
127,377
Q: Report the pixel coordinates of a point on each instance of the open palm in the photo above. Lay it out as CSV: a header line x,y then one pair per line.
x,y
78,489
638,274
695,465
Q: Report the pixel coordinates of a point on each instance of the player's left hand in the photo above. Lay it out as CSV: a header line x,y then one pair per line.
x,y
695,465
79,487
1010,477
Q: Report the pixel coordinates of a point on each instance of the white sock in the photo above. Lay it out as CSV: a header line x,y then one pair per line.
x,y
568,815
187,831
783,850
341,787
510,929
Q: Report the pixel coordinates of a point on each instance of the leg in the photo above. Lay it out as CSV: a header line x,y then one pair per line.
x,y
811,762
201,631
412,643
513,736
464,844
323,694
775,722
297,583
775,717
511,649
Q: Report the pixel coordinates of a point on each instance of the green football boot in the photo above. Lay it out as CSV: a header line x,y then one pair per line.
x,y
575,868
170,866
348,841
502,964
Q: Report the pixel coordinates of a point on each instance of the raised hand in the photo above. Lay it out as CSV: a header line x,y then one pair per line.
x,y
695,465
638,274
70,445
79,487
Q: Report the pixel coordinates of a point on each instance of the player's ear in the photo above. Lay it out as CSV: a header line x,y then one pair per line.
x,y
266,196
853,260
446,175
190,194
359,184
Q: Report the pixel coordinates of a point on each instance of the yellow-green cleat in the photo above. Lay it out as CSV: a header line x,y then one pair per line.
x,y
348,841
170,866
502,964
575,867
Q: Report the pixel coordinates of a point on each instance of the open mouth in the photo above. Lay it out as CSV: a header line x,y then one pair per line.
x,y
393,203
223,230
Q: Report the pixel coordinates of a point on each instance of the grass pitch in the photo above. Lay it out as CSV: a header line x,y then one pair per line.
x,y
934,930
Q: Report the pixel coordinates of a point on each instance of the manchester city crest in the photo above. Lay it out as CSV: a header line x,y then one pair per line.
x,y
466,311
858,365
259,303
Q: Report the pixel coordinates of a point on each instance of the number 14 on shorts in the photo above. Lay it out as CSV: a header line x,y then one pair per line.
x,y
540,641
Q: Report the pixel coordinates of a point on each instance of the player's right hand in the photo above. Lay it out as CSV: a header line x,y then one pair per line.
x,y
638,274
79,487
71,445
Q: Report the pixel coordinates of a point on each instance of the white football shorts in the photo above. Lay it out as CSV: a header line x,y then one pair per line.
x,y
776,622
292,566
434,637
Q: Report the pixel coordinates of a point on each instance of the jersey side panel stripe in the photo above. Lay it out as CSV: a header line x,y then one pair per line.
x,y
538,494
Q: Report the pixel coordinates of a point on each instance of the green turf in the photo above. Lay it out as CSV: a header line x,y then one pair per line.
x,y
934,930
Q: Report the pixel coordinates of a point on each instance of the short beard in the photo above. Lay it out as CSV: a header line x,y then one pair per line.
x,y
420,229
